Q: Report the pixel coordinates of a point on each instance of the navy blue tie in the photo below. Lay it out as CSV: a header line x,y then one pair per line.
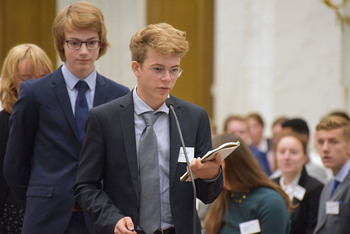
x,y
334,186
81,109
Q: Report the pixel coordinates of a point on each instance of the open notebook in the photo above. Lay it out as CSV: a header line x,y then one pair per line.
x,y
224,150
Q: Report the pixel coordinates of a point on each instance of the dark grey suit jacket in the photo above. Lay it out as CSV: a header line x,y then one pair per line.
x,y
337,224
109,155
43,149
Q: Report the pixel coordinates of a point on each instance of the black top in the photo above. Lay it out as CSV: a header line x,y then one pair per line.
x,y
4,136
304,216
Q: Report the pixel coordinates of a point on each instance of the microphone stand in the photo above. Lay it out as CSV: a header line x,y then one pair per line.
x,y
170,105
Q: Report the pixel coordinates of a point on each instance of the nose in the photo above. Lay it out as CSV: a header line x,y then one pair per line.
x,y
83,48
285,155
325,146
166,75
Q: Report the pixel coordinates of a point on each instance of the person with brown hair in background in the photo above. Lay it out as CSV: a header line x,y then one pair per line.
x,y
256,127
276,130
47,124
238,125
303,190
249,202
23,62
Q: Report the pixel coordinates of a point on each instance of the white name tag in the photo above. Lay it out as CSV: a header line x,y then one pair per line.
x,y
249,227
332,207
190,154
299,192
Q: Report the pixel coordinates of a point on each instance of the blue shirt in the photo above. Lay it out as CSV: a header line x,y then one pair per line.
x,y
343,172
71,80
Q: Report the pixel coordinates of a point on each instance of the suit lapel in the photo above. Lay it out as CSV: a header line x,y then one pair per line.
x,y
128,130
326,196
341,187
100,91
302,183
60,90
175,141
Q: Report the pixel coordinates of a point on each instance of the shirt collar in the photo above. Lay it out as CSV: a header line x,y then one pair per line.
x,y
71,80
290,188
343,172
141,107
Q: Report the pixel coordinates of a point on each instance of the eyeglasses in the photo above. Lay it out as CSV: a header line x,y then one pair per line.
x,y
76,44
159,71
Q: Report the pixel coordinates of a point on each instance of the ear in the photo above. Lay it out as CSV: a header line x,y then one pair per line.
x,y
306,159
348,149
135,66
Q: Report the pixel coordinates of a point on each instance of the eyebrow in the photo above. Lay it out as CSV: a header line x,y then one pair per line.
x,y
161,65
89,39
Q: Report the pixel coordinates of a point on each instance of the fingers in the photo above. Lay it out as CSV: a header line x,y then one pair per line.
x,y
124,226
208,169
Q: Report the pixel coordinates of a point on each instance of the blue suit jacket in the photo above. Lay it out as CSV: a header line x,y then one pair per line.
x,y
43,149
109,154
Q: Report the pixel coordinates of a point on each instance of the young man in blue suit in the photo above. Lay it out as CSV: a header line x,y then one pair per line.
x,y
47,127
332,139
110,184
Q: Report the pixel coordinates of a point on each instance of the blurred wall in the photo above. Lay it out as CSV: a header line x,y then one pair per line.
x,y
277,57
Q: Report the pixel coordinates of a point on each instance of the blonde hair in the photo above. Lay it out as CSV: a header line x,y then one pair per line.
x,y
81,15
34,56
242,172
163,38
333,122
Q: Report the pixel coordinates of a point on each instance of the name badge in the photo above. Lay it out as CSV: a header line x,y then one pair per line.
x,y
190,154
332,207
299,192
249,227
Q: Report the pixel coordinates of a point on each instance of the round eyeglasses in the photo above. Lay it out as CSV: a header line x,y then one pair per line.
x,y
160,71
90,45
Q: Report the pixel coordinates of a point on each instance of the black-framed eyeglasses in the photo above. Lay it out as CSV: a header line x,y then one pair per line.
x,y
90,45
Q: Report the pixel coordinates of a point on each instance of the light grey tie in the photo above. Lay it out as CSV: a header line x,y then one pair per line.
x,y
149,176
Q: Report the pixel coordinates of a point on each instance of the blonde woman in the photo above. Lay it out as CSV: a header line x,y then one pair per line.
x,y
23,62
249,200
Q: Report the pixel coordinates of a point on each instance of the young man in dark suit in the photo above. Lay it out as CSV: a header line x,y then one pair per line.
x,y
47,124
110,183
332,139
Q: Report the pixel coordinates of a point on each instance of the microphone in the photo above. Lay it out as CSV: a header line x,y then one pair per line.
x,y
170,104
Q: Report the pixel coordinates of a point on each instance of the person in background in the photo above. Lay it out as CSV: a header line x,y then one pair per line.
x,y
340,113
313,166
300,127
249,199
237,125
332,139
23,62
276,130
256,132
114,178
303,190
47,124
